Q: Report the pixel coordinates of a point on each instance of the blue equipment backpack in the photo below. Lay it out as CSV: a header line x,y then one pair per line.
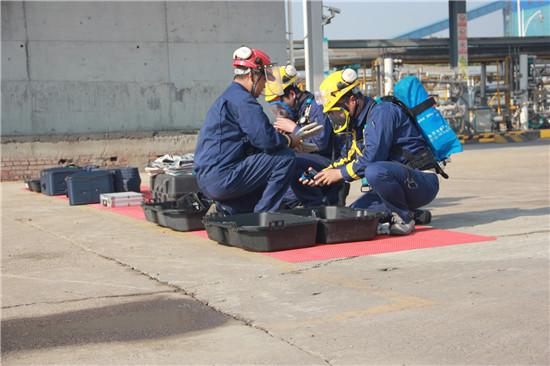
x,y
436,130
413,98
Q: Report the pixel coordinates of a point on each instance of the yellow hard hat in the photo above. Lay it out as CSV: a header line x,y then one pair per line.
x,y
288,75
334,87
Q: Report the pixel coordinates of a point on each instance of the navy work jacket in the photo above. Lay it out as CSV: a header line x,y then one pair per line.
x,y
234,125
370,141
325,140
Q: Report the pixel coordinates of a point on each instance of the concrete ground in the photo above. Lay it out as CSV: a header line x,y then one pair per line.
x,y
88,286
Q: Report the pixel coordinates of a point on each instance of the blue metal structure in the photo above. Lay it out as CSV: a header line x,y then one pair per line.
x,y
508,7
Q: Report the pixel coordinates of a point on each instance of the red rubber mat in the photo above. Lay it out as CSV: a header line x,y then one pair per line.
x,y
422,238
132,211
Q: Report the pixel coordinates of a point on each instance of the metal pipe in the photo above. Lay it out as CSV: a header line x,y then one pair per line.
x,y
290,33
388,76
483,86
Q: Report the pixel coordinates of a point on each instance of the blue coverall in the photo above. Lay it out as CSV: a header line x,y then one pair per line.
x,y
326,142
371,154
241,161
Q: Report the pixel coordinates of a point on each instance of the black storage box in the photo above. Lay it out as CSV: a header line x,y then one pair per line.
x,y
130,179
150,211
168,187
183,214
33,185
52,181
125,179
86,187
341,224
262,232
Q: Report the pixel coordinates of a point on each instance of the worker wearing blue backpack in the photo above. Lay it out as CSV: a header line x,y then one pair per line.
x,y
384,147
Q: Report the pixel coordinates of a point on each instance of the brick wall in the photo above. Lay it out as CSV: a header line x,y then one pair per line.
x,y
29,168
24,157
26,169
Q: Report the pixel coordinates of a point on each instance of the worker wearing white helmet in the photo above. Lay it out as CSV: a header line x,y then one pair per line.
x,y
241,161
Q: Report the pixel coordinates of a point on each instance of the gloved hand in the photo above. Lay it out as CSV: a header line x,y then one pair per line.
x,y
309,130
305,148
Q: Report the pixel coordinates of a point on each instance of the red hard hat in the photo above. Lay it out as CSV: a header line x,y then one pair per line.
x,y
250,57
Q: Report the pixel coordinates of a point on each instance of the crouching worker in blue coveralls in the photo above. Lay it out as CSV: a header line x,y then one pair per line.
x,y
241,161
298,113
382,134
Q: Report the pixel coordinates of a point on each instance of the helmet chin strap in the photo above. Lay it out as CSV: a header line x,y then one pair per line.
x,y
255,83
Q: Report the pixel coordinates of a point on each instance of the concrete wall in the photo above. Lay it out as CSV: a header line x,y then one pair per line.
x,y
105,66
119,83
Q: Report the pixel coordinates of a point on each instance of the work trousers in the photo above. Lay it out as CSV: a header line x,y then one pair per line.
x,y
390,191
255,184
301,194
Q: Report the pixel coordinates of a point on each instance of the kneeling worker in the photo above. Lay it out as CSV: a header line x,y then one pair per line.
x,y
382,134
241,161
298,113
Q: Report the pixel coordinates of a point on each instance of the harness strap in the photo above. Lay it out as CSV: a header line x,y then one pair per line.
x,y
428,103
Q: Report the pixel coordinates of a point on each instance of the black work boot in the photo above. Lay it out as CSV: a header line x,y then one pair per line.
x,y
422,217
400,226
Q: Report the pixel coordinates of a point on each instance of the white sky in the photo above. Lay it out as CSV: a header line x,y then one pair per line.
x,y
369,19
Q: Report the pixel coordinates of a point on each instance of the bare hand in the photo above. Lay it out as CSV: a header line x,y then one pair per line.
x,y
284,125
326,177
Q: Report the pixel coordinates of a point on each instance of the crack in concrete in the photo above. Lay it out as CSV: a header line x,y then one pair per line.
x,y
177,289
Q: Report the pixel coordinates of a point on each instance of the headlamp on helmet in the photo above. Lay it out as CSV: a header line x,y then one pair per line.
x,y
245,59
334,87
289,75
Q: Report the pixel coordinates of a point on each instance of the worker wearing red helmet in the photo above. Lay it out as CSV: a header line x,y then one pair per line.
x,y
241,161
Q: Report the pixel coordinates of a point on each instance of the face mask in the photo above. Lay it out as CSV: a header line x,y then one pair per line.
x,y
273,80
339,118
281,109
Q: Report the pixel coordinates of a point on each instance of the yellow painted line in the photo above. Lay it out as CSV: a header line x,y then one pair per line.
x,y
488,139
397,301
400,303
501,139
544,134
518,138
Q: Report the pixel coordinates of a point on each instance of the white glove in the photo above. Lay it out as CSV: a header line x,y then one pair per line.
x,y
305,148
309,130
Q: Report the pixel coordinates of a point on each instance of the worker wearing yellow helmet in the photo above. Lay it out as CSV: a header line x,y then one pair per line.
x,y
297,113
384,147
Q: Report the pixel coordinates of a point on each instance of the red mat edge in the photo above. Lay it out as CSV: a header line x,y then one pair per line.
x,y
422,238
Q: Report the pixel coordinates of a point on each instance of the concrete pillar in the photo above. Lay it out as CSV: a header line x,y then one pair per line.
x,y
483,87
388,76
313,43
523,84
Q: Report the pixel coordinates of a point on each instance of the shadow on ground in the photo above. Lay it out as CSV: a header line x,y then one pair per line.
x,y
474,218
127,322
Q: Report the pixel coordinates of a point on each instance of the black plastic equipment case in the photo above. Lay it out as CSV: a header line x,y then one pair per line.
x,y
33,185
150,211
262,232
168,187
52,181
183,214
130,179
87,187
341,224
